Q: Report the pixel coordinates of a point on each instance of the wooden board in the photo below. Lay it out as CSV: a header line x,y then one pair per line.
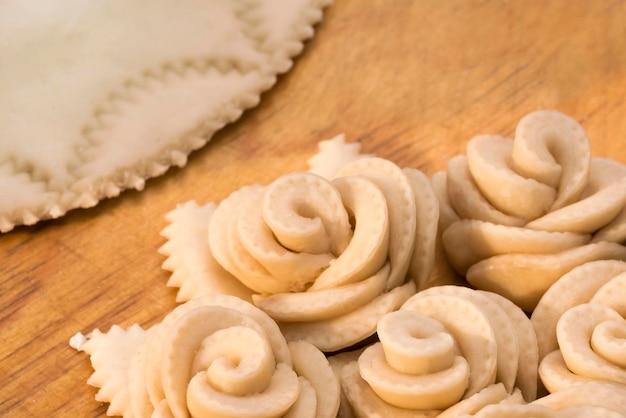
x,y
413,80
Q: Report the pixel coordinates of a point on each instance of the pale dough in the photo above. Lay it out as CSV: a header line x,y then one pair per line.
x,y
99,96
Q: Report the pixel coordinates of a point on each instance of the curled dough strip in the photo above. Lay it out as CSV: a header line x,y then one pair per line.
x,y
447,214
467,199
471,330
348,329
592,339
413,392
611,294
294,228
311,364
427,218
366,404
306,214
614,231
296,270
492,394
603,199
576,287
369,246
230,252
315,305
507,343
398,192
524,278
515,410
442,272
469,241
555,375
553,148
414,366
526,380
415,344
281,393
306,404
611,396
608,340
493,170
519,410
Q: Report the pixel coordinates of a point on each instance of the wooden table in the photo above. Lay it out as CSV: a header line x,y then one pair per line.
x,y
413,80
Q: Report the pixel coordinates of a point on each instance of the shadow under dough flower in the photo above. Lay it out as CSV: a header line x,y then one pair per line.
x,y
524,211
327,258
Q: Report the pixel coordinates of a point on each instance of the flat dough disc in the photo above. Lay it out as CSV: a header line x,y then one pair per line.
x,y
98,96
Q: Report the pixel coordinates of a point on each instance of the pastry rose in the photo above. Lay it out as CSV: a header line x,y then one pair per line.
x,y
524,211
325,255
448,349
212,356
581,326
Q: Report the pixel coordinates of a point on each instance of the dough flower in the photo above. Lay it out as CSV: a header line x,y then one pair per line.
x,y
522,212
325,255
213,356
448,349
581,327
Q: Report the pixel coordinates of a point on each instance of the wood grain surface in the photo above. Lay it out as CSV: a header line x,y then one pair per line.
x,y
413,80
